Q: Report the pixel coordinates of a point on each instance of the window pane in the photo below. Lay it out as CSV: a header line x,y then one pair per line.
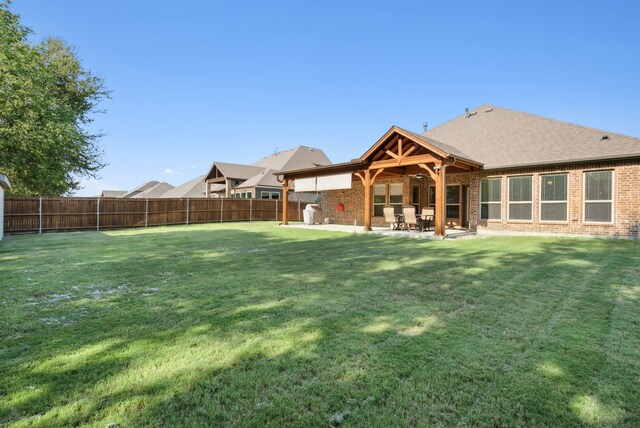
x,y
554,187
416,195
453,195
395,193
379,196
484,190
519,211
556,211
378,210
491,190
490,211
432,195
598,185
453,211
275,196
597,211
519,189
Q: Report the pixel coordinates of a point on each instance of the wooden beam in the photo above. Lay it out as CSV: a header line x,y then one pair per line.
x,y
441,202
410,150
376,175
357,174
393,155
367,200
433,175
285,202
400,148
415,160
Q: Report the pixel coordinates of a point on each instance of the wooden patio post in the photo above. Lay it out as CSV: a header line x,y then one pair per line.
x,y
367,200
441,200
285,201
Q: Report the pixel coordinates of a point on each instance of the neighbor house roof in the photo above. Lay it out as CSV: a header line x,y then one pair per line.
x,y
503,138
154,191
4,181
234,170
298,157
113,193
264,179
191,189
141,188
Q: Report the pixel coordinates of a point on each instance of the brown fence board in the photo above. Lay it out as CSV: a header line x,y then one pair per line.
x,y
34,214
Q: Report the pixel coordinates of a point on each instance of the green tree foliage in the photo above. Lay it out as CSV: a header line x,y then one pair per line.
x,y
46,100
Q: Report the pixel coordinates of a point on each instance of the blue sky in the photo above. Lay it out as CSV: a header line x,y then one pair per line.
x,y
201,81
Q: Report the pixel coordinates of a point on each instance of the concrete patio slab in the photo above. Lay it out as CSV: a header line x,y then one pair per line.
x,y
451,233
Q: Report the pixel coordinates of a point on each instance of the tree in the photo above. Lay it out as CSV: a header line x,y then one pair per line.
x,y
46,102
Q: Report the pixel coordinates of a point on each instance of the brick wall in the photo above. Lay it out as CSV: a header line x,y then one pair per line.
x,y
626,212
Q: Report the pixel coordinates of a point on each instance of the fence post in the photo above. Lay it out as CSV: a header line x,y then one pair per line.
x,y
221,209
146,212
187,210
298,210
250,209
40,216
98,215
276,210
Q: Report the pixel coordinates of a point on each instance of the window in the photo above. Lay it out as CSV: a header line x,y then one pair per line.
x,y
395,197
249,195
269,195
432,196
416,197
491,199
453,201
598,196
554,197
520,198
379,199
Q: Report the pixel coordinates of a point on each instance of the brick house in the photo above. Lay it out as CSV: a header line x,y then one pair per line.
x,y
492,169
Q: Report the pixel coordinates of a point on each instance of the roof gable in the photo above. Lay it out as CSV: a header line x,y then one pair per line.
x,y
233,170
298,157
193,188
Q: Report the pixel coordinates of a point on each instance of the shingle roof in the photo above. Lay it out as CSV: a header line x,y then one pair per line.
x,y
236,170
154,192
500,137
193,188
113,193
298,157
264,179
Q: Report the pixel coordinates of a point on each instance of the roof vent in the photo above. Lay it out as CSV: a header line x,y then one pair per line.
x,y
466,111
605,137
489,110
425,125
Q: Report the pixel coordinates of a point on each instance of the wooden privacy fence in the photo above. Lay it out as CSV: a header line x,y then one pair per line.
x,y
35,214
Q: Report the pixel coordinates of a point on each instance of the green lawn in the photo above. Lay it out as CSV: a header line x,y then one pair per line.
x,y
257,325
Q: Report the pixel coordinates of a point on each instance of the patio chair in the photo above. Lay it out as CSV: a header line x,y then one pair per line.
x,y
427,217
390,217
410,218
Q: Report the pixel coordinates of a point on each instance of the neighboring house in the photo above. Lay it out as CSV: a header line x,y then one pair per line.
x,y
492,169
113,193
257,180
191,189
151,189
4,184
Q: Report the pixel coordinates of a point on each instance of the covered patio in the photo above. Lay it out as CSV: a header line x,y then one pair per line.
x,y
450,233
398,153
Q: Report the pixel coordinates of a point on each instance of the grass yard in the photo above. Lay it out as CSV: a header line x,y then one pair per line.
x,y
256,325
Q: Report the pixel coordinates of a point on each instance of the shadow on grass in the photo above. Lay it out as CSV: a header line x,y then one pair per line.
x,y
223,326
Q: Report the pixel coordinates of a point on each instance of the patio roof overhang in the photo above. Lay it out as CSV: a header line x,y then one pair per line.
x,y
397,153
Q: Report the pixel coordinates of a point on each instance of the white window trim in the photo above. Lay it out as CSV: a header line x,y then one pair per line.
x,y
612,200
551,202
509,202
495,203
262,192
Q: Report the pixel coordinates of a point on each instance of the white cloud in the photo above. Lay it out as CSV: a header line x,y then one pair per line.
x,y
169,171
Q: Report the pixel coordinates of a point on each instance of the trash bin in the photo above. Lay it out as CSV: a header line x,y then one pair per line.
x,y
312,214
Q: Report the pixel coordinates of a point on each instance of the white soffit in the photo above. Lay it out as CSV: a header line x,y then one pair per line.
x,y
335,182
305,184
